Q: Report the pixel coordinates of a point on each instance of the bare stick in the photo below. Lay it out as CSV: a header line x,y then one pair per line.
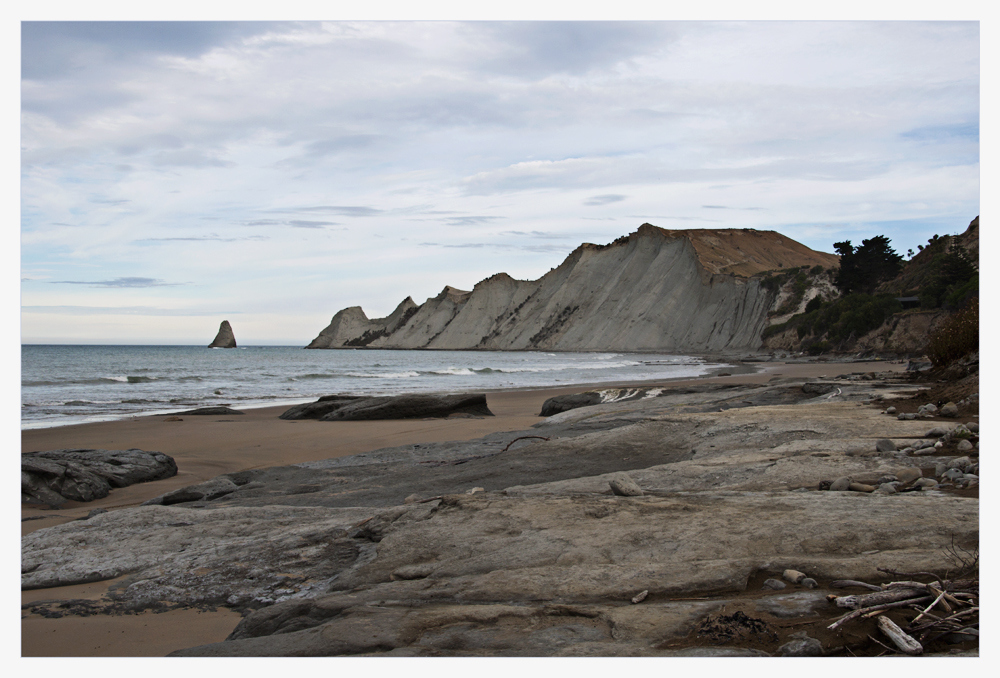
x,y
943,597
899,638
964,596
846,583
521,438
908,574
951,599
963,613
906,585
925,613
877,598
885,606
929,607
872,638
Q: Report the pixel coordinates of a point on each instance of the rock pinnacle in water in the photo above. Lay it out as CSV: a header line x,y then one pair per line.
x,y
225,338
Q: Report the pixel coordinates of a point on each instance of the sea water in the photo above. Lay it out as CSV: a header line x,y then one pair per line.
x,y
75,384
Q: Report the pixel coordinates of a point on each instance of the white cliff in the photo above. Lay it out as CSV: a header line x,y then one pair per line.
x,y
653,290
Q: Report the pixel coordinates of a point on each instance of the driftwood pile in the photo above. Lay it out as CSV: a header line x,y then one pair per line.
x,y
942,607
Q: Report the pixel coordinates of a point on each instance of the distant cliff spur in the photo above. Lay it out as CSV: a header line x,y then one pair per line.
x,y
652,290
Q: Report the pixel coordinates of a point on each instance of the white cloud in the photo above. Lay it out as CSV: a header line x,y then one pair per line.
x,y
307,161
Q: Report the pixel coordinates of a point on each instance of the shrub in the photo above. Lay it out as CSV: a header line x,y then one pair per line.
x,y
961,294
957,337
954,277
773,330
817,347
849,316
772,282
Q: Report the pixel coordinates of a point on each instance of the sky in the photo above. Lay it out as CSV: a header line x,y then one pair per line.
x,y
176,174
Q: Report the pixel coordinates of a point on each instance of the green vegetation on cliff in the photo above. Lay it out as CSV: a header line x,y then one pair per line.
x,y
874,282
828,325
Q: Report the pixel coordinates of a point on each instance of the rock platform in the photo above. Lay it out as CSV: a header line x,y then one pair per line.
x,y
398,552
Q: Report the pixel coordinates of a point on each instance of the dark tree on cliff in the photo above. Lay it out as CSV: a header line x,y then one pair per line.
x,y
864,267
955,280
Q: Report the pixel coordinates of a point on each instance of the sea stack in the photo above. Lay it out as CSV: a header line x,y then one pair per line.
x,y
225,338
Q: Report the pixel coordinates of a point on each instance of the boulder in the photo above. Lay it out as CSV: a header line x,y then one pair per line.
x,y
623,486
842,484
207,491
949,409
801,647
414,406
210,410
225,337
885,445
818,387
316,410
908,474
52,477
562,403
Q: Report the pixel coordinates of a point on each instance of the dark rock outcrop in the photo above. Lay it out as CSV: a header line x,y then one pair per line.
x,y
225,337
412,406
211,410
318,409
207,491
56,476
562,403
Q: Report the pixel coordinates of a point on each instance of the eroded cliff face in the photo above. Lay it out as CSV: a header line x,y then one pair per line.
x,y
653,290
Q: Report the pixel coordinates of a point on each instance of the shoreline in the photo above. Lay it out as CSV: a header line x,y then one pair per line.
x,y
207,446
711,364
203,448
746,365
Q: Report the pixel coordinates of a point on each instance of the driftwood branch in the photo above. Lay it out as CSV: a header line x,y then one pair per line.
x,y
847,583
963,596
931,606
877,598
909,574
884,606
899,637
907,584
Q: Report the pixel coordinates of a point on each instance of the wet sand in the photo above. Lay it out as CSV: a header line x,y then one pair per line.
x,y
207,446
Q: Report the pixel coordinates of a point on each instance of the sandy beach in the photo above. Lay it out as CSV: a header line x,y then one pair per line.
x,y
207,446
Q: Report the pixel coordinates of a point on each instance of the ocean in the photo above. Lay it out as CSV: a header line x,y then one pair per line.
x,y
63,384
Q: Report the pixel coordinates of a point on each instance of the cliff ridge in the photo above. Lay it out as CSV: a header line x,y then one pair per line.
x,y
652,290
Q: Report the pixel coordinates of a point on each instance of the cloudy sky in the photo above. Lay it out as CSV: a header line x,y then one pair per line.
x,y
177,174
